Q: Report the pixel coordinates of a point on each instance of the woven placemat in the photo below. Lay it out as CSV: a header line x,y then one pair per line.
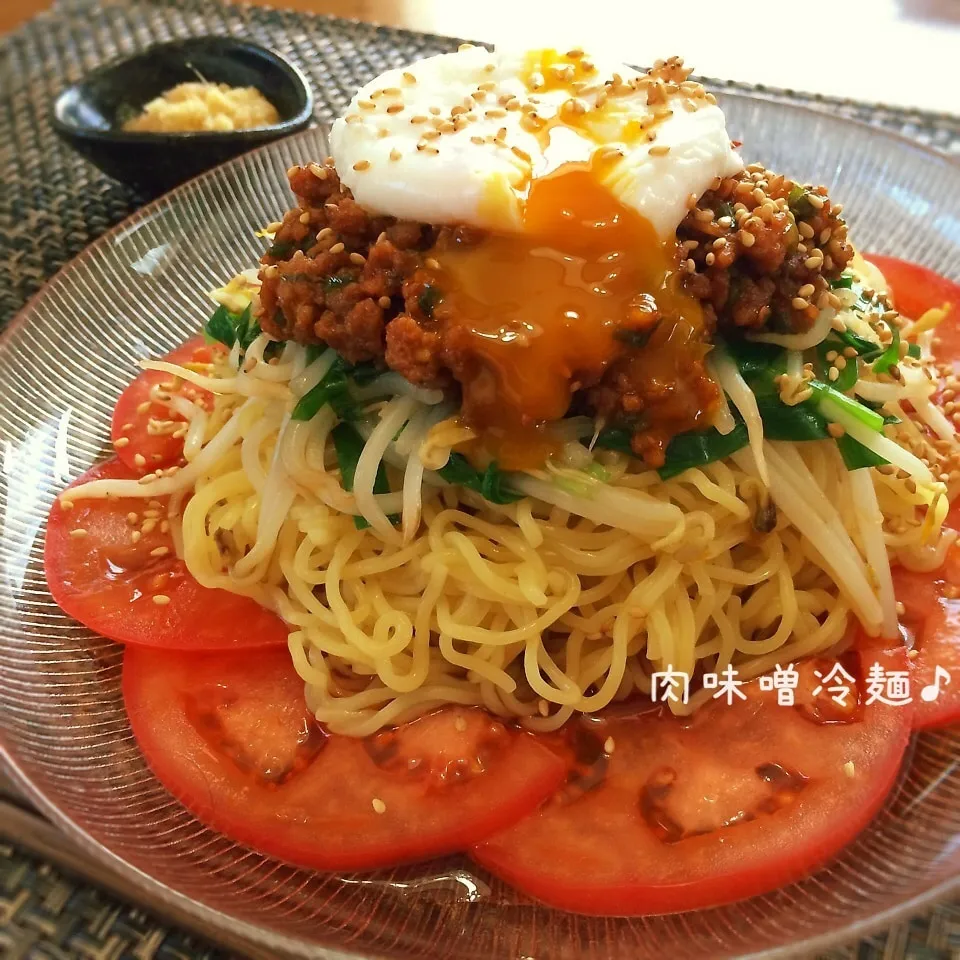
x,y
46,914
53,204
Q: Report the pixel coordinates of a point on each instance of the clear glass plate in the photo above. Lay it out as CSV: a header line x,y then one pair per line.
x,y
139,291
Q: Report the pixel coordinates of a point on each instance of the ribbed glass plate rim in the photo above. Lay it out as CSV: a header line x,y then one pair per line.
x,y
262,935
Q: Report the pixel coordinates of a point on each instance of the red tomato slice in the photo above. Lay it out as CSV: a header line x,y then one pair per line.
x,y
232,739
933,620
108,582
916,289
130,430
732,802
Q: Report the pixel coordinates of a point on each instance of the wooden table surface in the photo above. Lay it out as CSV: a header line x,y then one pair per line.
x,y
881,44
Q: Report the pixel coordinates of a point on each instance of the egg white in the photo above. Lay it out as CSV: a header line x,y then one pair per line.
x,y
460,176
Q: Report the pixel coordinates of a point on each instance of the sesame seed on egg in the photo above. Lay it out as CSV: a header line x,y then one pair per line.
x,y
463,135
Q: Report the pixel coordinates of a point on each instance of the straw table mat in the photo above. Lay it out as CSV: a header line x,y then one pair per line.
x,y
54,903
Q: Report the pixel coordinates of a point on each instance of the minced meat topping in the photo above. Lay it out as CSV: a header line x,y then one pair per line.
x,y
757,251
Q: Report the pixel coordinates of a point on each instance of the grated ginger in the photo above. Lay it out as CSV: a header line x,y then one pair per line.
x,y
200,106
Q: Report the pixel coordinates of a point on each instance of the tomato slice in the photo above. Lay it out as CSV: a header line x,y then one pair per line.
x,y
108,582
932,618
732,802
138,417
232,739
916,289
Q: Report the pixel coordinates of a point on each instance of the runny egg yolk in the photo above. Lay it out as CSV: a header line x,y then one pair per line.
x,y
531,318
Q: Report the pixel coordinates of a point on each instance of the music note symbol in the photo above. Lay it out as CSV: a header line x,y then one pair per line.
x,y
930,692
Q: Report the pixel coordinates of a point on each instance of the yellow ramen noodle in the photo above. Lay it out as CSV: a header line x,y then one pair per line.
x,y
557,603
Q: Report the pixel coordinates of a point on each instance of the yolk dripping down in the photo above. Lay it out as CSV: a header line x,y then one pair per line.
x,y
533,317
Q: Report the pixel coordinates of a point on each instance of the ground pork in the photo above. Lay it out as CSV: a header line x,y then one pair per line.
x,y
758,251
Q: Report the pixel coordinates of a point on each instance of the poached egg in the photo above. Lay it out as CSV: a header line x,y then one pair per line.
x,y
578,175
461,137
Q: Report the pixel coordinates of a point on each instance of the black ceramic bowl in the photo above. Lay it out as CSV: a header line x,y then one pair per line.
x,y
90,114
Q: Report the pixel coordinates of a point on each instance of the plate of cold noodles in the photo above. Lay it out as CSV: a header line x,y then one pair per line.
x,y
561,491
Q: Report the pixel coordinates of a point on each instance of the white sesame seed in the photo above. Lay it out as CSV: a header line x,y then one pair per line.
x,y
77,533
608,746
378,805
161,599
